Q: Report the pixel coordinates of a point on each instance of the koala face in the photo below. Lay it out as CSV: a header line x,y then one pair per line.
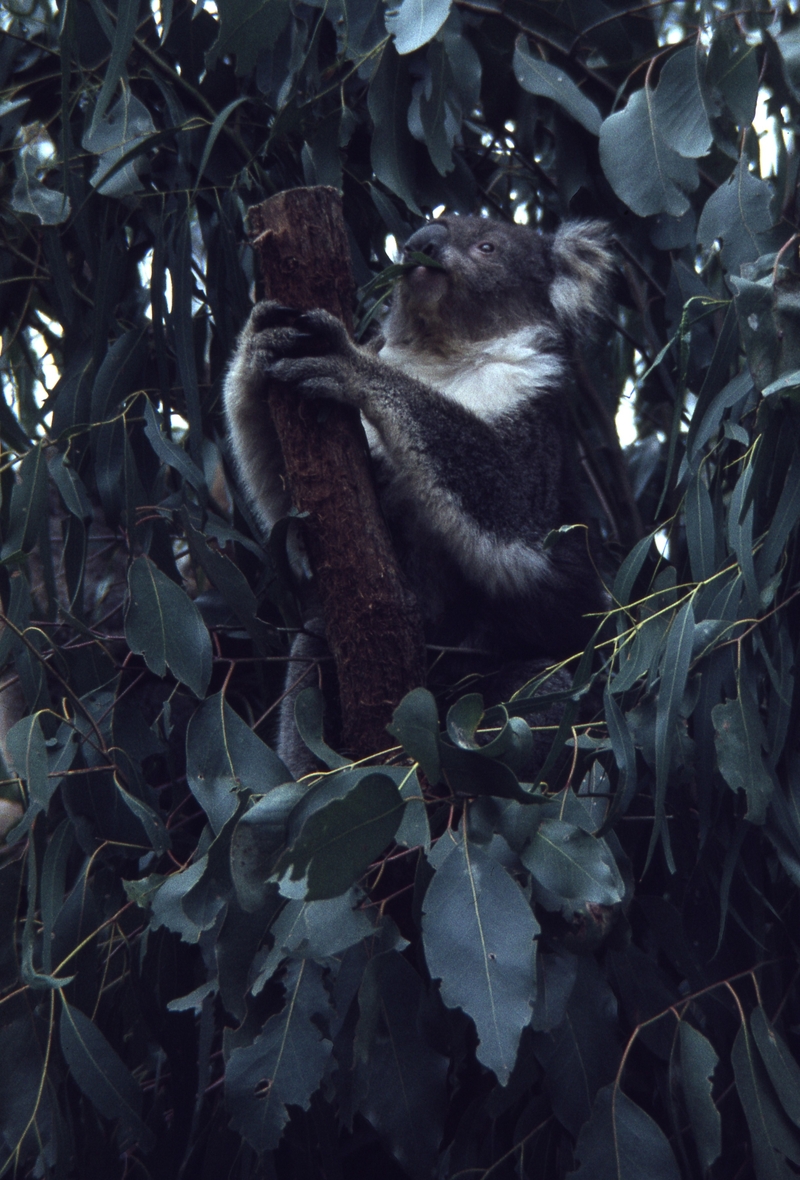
x,y
497,277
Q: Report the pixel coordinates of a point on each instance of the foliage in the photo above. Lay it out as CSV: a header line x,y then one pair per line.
x,y
418,967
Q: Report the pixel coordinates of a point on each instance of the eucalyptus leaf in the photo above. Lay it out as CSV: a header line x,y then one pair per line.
x,y
283,1065
644,171
681,104
479,937
164,625
618,1137
102,1075
539,77
739,215
338,842
414,22
224,759
698,1062
772,1136
740,738
572,864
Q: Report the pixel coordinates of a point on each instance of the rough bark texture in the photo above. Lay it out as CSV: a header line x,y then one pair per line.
x,y
371,618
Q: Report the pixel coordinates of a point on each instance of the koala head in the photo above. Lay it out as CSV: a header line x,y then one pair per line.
x,y
496,277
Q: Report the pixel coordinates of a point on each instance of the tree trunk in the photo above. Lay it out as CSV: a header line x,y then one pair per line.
x,y
372,622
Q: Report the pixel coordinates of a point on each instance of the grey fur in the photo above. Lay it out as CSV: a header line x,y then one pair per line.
x,y
465,411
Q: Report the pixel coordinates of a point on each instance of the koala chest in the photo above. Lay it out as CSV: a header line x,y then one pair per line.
x,y
495,381
490,378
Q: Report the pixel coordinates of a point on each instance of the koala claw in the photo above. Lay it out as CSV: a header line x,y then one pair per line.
x,y
270,314
325,328
310,376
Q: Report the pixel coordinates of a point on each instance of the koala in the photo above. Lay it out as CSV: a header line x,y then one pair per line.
x,y
464,404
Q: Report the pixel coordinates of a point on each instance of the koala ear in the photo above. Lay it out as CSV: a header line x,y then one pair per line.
x,y
583,265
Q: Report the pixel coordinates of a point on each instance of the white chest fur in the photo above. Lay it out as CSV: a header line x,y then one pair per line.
x,y
490,377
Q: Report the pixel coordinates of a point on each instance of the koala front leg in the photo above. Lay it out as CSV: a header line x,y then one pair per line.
x,y
254,443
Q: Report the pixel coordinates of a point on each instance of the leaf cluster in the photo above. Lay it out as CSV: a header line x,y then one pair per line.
x,y
426,965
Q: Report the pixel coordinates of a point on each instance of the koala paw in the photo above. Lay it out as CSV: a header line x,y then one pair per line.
x,y
309,351
315,376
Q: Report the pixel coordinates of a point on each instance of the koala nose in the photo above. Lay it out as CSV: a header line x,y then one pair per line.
x,y
429,240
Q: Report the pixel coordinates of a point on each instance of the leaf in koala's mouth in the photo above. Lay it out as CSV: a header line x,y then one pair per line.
x,y
425,280
417,260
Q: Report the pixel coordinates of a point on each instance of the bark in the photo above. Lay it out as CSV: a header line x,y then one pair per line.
x,y
372,622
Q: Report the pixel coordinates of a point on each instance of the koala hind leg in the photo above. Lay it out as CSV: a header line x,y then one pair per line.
x,y
309,664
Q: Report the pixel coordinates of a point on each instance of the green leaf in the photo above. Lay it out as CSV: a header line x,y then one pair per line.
x,y
70,486
641,654
439,116
170,453
102,1075
127,16
539,77
740,534
29,195
164,625
181,321
740,736
392,148
246,27
28,505
308,717
630,569
733,69
738,214
213,135
54,871
28,755
783,521
471,772
256,841
698,1062
193,1000
556,974
513,742
643,170
314,930
572,864
582,1052
416,22
771,1134
700,538
337,843
674,674
401,1076
122,132
231,583
680,103
624,750
783,1070
414,829
479,936
415,724
166,899
618,1139
706,422
362,28
224,757
27,1106
284,1064
151,821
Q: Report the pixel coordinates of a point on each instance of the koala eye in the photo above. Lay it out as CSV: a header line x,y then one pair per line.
x,y
486,247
